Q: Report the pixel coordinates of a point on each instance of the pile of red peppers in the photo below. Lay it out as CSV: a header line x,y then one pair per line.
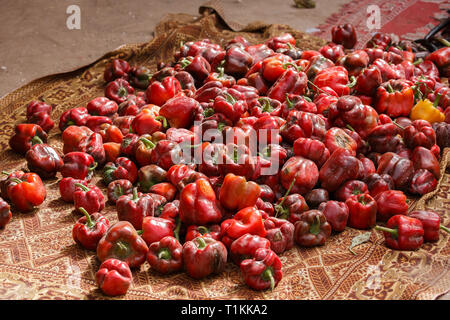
x,y
354,132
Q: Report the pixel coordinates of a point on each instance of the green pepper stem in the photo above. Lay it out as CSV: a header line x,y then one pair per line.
x,y
201,242
418,61
444,42
403,128
89,221
163,121
164,253
279,207
394,232
319,89
230,99
436,101
203,230
122,92
352,82
36,140
82,187
148,144
135,194
268,275
176,231
6,172
140,232
389,88
94,165
445,228
315,227
16,180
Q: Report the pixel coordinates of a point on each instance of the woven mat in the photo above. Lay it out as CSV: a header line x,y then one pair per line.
x,y
39,259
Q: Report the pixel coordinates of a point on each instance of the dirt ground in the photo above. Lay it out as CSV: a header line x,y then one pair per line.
x,y
35,40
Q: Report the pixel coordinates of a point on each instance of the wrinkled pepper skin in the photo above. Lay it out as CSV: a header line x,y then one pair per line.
x,y
245,247
159,92
362,211
44,160
403,233
114,277
204,256
198,204
116,69
312,229
400,169
422,182
89,229
150,175
290,82
423,158
119,90
5,213
166,255
67,188
121,168
263,271
102,106
350,188
88,197
311,149
194,231
431,222
394,98
378,183
237,193
73,117
337,138
122,242
26,191
419,133
78,165
301,170
290,207
390,203
280,233
25,136
118,188
336,214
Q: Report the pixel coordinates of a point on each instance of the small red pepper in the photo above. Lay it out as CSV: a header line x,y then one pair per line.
x,y
344,34
390,203
78,165
102,106
301,170
118,90
337,138
165,256
25,191
194,231
400,169
245,247
290,82
336,214
118,188
165,189
280,233
263,271
42,119
25,136
116,69
156,228
73,117
140,77
88,197
121,168
122,242
159,92
43,160
350,188
89,229
403,232
204,256
311,149
150,175
378,183
312,229
237,193
179,111
431,222
5,213
67,187
362,211
419,133
114,277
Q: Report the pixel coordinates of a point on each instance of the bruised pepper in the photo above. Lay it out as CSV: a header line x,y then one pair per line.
x,y
403,233
122,242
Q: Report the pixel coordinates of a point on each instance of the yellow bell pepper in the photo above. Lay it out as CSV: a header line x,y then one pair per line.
x,y
426,110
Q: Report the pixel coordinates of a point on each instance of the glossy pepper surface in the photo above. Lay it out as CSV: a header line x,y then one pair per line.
x,y
88,197
237,193
5,213
44,160
362,211
121,168
25,136
165,256
245,247
280,233
25,191
263,271
114,277
89,229
403,233
336,214
312,229
431,222
78,165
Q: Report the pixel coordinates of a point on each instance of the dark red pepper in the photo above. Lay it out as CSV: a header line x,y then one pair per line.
x,y
89,229
403,233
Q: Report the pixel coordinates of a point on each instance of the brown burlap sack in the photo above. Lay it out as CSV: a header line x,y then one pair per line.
x,y
39,259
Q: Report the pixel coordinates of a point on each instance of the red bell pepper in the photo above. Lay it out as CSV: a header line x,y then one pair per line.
x,y
114,277
344,34
290,206
362,211
42,119
204,256
280,233
400,169
121,168
423,158
378,183
25,191
179,111
116,69
181,175
237,62
236,193
129,145
316,196
78,165
394,98
43,160
385,138
335,78
89,229
102,106
118,90
166,255
263,271
419,133
350,188
245,247
160,92
441,58
165,189
295,102
67,187
122,242
73,117
248,220
290,82
156,228
332,51
336,214
236,159
301,170
37,106
403,233
229,106
311,149
150,175
25,136
390,203
312,229
148,121
198,204
88,197
354,62
337,138
422,182
84,140
5,213
194,231
140,77
118,188
110,133
431,222
300,124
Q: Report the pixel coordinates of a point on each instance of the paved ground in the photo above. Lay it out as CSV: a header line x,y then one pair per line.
x,y
36,40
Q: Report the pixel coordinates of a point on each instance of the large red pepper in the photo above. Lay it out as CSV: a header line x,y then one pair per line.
x,y
344,34
122,242
156,228
204,256
335,78
312,149
301,170
148,121
73,117
248,220
385,138
237,159
245,247
337,138
118,188
236,193
394,98
25,191
403,232
78,165
44,160
400,169
290,82
140,77
25,136
89,229
336,214
332,51
263,271
362,211
159,92
144,149
179,111
419,133
198,204
280,233
390,203
102,106
312,229
166,255
84,140
88,197
181,175
423,158
237,61
431,222
316,64
294,102
121,168
114,277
